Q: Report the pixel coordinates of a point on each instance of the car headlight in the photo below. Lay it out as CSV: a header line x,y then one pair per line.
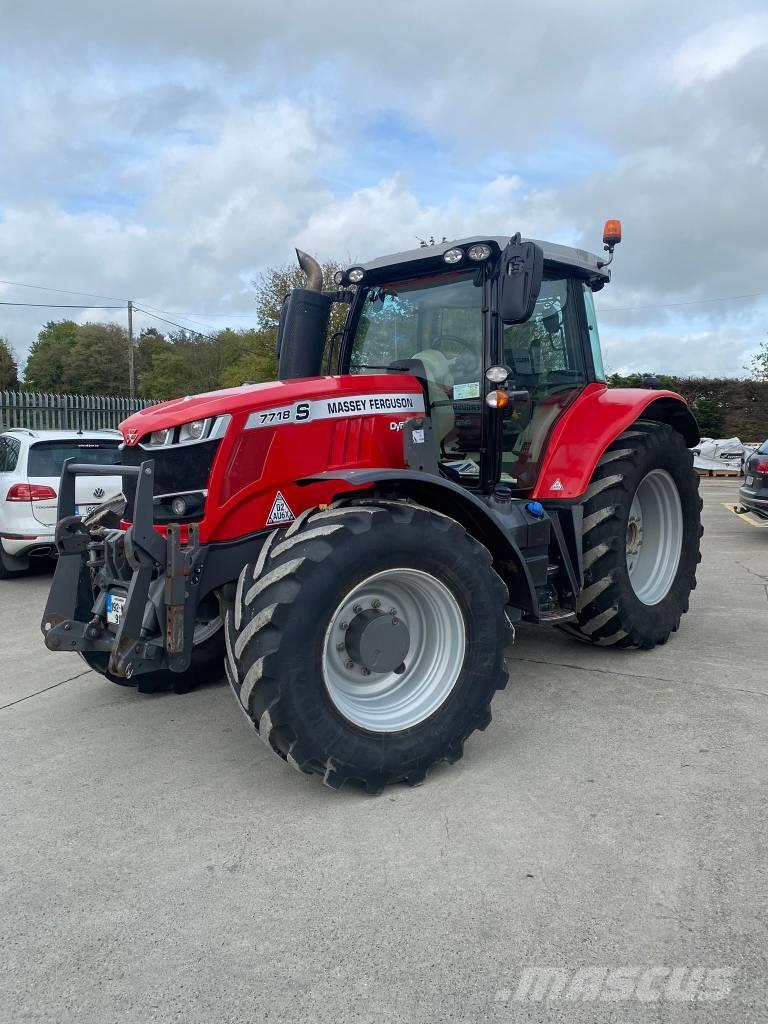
x,y
453,256
159,437
193,431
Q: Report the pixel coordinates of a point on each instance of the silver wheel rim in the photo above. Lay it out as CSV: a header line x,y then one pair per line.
x,y
204,628
394,701
654,536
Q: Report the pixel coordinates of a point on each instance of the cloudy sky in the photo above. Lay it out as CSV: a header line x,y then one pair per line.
x,y
167,151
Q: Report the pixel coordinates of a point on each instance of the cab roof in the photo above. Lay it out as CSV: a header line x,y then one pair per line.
x,y
587,264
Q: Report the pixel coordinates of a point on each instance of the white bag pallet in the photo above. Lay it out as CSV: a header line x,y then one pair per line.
x,y
720,455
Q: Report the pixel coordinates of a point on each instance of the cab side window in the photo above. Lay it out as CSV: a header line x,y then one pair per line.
x,y
594,335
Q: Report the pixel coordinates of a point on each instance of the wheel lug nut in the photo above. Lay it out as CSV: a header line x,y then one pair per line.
x,y
340,645
357,609
375,603
350,664
393,611
344,625
395,622
366,672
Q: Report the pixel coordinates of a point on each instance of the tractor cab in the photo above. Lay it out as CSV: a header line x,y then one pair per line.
x,y
501,333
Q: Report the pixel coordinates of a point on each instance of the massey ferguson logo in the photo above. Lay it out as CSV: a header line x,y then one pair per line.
x,y
131,436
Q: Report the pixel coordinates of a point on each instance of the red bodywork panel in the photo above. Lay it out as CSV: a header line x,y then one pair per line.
x,y
283,431
584,431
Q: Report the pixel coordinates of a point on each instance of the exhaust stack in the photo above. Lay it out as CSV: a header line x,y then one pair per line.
x,y
312,269
303,324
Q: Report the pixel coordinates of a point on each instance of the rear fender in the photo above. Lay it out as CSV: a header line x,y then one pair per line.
x,y
451,499
592,423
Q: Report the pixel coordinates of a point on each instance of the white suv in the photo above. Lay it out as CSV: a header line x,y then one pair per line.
x,y
30,469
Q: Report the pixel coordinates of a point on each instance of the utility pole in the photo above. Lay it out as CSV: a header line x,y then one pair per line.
x,y
131,371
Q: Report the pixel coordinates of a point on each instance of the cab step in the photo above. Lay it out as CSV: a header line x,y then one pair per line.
x,y
556,616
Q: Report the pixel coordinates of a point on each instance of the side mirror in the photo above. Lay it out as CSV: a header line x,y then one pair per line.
x,y
522,270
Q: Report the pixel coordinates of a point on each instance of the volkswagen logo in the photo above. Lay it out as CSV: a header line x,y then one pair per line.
x,y
99,492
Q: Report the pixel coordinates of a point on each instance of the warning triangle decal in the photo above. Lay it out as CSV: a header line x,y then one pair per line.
x,y
281,511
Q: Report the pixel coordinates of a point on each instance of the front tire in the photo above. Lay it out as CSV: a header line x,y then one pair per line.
x,y
641,540
333,602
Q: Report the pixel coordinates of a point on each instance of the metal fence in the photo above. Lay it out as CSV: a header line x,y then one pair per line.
x,y
65,412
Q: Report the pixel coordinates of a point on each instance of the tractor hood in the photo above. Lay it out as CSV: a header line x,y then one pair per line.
x,y
253,397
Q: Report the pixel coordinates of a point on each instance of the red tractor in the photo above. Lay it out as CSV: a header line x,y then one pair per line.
x,y
356,547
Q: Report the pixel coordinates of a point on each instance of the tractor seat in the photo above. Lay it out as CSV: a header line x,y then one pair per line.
x,y
431,367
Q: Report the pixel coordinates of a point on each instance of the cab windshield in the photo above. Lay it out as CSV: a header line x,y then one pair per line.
x,y
432,326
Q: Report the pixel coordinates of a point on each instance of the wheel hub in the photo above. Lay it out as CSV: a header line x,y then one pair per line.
x,y
634,533
377,641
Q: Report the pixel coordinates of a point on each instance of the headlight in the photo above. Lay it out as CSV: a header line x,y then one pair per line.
x,y
497,399
193,431
497,374
355,275
338,277
479,252
179,507
453,255
159,437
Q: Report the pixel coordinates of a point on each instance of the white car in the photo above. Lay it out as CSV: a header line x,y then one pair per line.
x,y
30,469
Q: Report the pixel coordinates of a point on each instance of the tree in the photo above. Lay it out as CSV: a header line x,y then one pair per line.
x,y
97,362
9,370
187,363
256,362
274,284
48,356
81,359
759,365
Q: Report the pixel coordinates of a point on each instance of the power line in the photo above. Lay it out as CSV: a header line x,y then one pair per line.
x,y
181,327
183,316
213,316
56,305
66,291
672,305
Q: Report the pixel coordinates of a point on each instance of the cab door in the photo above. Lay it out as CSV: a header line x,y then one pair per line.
x,y
546,355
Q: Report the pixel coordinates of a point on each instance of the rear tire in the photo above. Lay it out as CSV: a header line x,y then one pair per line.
x,y
641,540
309,701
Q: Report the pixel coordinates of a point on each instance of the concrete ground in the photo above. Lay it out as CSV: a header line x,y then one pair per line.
x,y
159,864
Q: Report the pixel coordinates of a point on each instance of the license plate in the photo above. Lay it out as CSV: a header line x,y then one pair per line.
x,y
84,510
750,481
115,606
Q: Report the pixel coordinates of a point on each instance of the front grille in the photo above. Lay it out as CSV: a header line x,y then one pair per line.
x,y
178,469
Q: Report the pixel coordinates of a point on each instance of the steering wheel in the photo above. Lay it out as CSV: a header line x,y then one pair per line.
x,y
461,342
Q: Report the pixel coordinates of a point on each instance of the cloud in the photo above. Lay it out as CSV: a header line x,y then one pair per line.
x,y
719,47
171,159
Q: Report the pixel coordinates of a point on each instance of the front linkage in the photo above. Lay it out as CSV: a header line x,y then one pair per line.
x,y
154,574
